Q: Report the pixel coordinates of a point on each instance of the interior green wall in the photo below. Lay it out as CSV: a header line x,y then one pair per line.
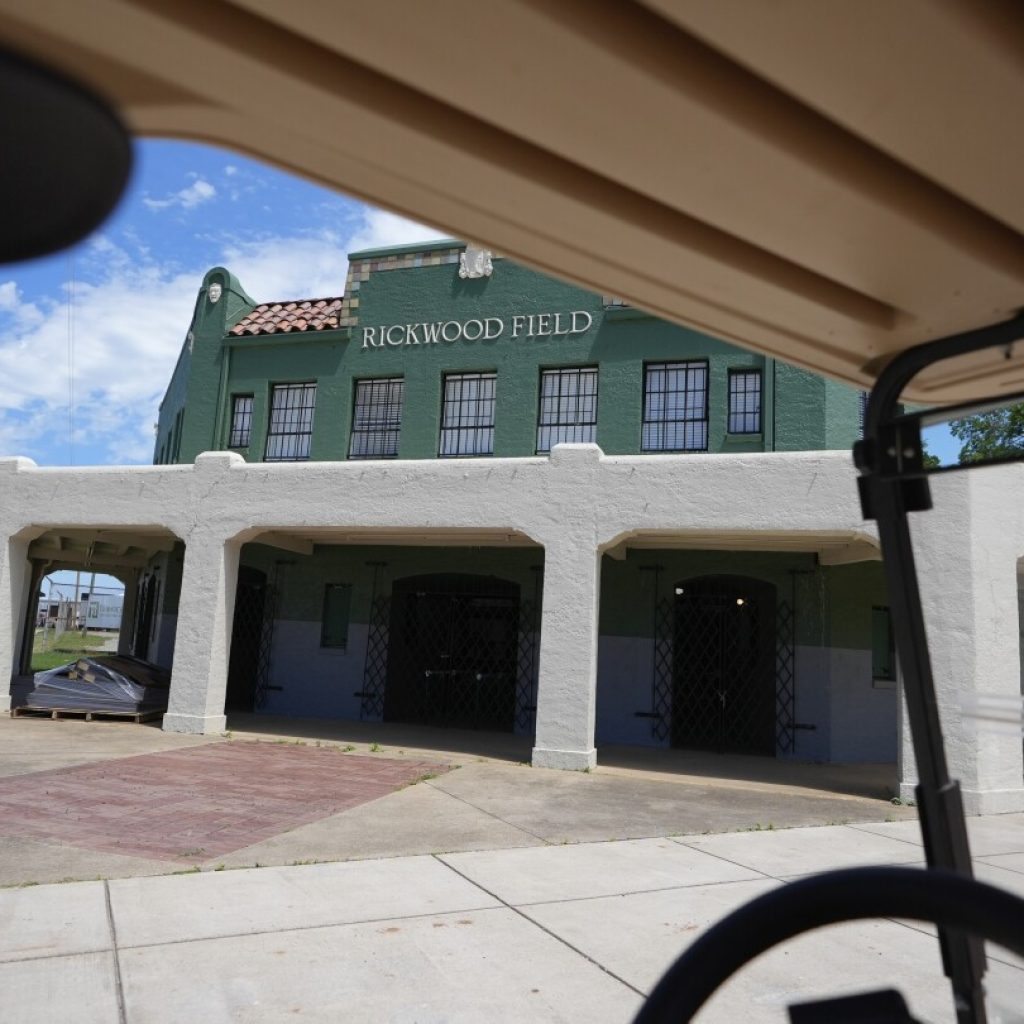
x,y
301,579
809,414
833,603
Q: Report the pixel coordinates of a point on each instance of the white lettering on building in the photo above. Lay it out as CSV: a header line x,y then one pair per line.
x,y
519,325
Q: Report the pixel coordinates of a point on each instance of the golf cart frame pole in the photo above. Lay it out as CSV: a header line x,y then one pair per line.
x,y
892,484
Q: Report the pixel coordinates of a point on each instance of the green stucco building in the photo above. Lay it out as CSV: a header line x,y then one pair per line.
x,y
442,352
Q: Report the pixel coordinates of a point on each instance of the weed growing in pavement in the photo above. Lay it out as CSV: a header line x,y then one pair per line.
x,y
375,748
346,749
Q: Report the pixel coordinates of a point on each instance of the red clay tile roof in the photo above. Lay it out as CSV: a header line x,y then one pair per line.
x,y
283,317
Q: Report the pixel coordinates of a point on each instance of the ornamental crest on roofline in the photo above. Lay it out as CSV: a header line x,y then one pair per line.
x,y
475,262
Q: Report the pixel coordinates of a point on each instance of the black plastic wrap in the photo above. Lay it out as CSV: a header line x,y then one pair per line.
x,y
89,685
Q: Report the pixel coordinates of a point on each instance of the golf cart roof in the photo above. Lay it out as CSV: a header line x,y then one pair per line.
x,y
829,183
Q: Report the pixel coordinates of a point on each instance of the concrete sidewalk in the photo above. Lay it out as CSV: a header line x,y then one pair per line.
x,y
553,933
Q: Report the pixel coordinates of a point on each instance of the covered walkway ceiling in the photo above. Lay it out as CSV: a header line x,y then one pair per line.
x,y
101,549
828,183
831,548
302,540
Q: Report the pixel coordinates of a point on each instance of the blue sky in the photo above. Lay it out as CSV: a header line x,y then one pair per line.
x,y
104,323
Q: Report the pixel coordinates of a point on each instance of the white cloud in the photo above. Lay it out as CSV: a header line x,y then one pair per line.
x,y
300,267
381,228
314,265
200,191
129,321
13,308
231,170
126,332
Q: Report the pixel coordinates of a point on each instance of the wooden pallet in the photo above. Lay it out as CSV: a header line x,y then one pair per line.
x,y
129,716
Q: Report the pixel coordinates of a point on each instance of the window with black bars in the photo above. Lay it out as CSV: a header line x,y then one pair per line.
x,y
675,407
467,415
241,421
568,406
179,423
377,418
745,402
291,422
335,618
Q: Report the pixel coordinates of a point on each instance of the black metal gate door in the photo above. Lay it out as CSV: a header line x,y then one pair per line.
x,y
246,641
453,659
723,666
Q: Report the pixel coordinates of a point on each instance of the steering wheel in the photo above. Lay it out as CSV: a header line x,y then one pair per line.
x,y
941,897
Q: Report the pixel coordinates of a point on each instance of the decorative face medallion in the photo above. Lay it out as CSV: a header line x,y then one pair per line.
x,y
475,262
214,291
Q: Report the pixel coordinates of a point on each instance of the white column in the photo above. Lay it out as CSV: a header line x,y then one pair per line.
x,y
567,683
129,609
15,581
203,640
15,575
967,549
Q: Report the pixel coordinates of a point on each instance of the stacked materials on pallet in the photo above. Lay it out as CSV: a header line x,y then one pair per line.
x,y
115,684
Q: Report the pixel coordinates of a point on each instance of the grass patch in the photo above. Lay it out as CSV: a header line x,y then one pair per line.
x,y
71,645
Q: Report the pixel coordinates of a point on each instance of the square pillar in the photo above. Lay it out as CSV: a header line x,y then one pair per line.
x,y
15,585
967,549
567,682
203,640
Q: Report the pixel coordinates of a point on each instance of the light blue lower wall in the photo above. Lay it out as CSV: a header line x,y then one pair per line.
x,y
844,717
624,671
308,681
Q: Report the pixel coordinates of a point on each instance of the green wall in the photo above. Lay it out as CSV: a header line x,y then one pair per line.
x,y
301,579
833,603
807,412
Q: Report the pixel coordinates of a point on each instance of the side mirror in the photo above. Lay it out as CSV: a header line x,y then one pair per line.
x,y
67,159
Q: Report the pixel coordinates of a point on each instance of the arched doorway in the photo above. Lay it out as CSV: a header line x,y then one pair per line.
x,y
246,636
724,665
452,658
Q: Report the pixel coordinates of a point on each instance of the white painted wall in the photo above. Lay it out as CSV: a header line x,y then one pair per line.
x,y
576,504
864,724
315,682
967,549
813,697
624,688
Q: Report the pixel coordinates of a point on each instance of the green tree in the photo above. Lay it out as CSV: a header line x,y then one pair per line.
x,y
991,435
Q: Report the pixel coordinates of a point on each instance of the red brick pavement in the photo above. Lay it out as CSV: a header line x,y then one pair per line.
x,y
197,803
